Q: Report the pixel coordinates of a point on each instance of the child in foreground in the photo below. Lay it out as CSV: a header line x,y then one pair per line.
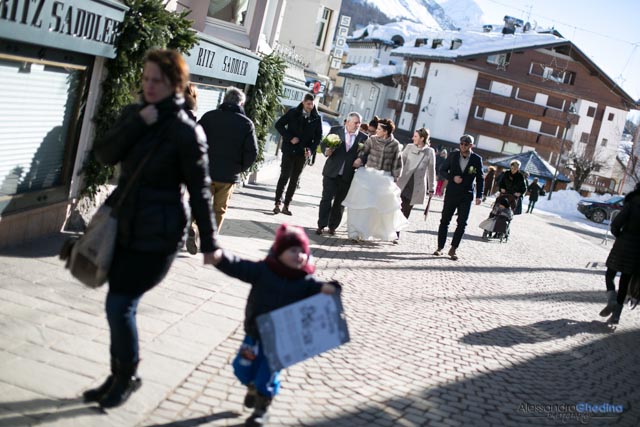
x,y
285,276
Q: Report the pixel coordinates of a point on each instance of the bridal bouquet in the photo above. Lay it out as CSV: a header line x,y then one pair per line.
x,y
332,141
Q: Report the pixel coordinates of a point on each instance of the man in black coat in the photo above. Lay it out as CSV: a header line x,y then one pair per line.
x,y
462,168
301,130
233,148
338,172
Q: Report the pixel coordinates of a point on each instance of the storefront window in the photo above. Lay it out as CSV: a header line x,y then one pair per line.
x,y
38,115
209,98
233,11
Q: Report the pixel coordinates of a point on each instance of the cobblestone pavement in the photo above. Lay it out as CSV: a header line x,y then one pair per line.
x,y
434,342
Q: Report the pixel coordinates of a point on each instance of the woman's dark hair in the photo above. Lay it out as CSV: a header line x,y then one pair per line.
x,y
374,121
387,125
364,127
190,97
504,202
172,65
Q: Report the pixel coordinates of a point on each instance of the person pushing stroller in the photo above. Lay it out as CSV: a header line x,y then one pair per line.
x,y
497,225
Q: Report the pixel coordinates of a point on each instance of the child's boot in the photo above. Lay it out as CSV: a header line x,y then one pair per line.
x,y
250,397
259,416
611,304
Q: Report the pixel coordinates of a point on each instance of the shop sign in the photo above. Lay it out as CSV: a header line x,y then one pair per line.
x,y
292,94
86,26
217,61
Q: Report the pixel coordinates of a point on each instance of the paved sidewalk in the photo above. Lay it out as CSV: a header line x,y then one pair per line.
x,y
434,342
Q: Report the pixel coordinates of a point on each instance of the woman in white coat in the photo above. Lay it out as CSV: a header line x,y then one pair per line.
x,y
418,172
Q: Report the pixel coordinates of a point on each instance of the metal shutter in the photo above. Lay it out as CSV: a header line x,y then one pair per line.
x,y
37,104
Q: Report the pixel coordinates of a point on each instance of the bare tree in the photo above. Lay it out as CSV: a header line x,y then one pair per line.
x,y
582,162
632,167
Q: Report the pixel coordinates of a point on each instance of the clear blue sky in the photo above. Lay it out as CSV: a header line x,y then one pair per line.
x,y
608,31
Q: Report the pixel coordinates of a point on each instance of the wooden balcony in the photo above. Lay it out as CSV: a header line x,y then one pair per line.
x,y
411,108
509,105
418,81
561,117
519,136
394,104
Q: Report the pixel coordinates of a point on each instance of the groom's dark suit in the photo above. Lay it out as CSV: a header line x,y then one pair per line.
x,y
336,178
459,196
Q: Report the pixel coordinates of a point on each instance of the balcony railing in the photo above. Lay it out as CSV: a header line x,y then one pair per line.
x,y
394,104
418,81
411,108
519,136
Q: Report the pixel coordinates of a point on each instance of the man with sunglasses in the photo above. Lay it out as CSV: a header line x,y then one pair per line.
x,y
463,169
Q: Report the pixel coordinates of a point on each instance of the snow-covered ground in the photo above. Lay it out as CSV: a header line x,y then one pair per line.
x,y
563,204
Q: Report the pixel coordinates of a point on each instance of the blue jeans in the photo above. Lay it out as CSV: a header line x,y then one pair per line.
x,y
257,371
132,274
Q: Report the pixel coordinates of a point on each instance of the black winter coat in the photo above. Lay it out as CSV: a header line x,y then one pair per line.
x,y
293,124
534,192
268,290
233,146
625,253
513,183
152,217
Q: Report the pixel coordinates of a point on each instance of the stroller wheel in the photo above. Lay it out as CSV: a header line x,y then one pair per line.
x,y
485,235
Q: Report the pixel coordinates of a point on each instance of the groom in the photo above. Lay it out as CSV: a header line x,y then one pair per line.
x,y
338,172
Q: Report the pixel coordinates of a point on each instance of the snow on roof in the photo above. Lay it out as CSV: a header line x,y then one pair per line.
x,y
370,71
475,43
406,29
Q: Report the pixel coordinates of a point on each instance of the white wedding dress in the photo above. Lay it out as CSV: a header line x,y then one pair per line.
x,y
373,206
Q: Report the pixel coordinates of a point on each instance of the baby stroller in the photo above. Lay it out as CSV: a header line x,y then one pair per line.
x,y
497,225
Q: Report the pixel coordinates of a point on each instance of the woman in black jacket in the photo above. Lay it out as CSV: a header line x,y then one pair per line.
x,y
624,256
152,219
513,182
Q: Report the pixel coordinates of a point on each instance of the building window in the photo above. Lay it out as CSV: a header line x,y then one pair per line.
x,y
483,83
611,116
233,11
409,96
520,122
479,112
356,89
569,77
367,113
372,93
591,111
604,142
322,25
347,89
584,138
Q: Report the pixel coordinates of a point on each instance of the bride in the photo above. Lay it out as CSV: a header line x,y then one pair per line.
x,y
373,201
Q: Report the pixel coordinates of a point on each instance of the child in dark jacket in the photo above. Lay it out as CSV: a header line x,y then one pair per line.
x,y
285,276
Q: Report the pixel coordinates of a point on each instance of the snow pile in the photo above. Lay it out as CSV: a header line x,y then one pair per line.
x,y
563,203
371,70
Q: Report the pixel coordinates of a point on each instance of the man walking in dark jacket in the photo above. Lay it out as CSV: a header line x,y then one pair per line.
x,y
233,148
301,130
338,172
462,169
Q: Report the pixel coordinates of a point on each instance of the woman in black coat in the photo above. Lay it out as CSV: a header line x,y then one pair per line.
x,y
513,182
625,254
152,219
534,191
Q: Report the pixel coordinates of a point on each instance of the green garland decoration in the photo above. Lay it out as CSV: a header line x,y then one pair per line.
x,y
263,103
147,25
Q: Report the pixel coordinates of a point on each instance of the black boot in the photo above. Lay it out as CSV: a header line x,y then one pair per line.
x,y
125,382
615,317
95,394
611,304
259,416
250,397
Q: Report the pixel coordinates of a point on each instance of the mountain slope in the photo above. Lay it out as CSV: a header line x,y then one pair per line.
x,y
426,12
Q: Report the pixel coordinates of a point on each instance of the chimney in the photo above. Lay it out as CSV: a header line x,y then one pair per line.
x,y
456,43
487,28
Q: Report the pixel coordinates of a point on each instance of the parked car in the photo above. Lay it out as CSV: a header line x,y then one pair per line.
x,y
599,211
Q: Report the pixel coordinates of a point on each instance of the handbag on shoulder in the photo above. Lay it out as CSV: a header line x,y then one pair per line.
x,y
89,256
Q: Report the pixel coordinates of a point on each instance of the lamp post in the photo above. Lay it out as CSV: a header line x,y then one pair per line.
x,y
570,115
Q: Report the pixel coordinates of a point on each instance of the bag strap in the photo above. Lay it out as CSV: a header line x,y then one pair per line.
x,y
136,174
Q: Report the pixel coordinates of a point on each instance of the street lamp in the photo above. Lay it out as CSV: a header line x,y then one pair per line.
x,y
570,114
